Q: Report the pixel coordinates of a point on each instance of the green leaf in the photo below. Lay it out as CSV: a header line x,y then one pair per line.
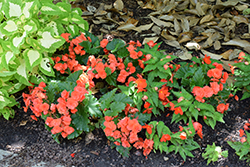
x,y
198,78
49,42
115,45
66,85
245,95
92,105
73,29
32,58
121,97
7,58
160,127
80,119
73,77
116,107
50,9
149,68
75,134
204,106
21,73
46,68
107,98
12,8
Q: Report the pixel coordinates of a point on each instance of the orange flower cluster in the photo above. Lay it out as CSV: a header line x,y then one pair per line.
x,y
222,107
216,77
127,131
132,47
67,104
141,83
69,60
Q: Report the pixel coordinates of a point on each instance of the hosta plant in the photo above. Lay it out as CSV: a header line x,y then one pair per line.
x,y
29,34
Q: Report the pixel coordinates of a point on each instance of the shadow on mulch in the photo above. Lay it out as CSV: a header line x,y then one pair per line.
x,y
34,143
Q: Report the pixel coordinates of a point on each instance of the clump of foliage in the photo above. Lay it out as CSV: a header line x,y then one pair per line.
x,y
29,34
138,82
213,153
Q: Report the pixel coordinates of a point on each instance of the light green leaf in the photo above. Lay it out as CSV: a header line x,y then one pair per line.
x,y
48,40
21,74
50,9
26,9
32,58
6,58
17,41
8,27
12,8
73,29
46,68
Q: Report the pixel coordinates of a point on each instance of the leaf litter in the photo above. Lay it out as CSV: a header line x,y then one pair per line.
x,y
208,25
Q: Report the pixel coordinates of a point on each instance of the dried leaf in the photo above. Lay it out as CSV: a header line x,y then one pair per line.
x,y
182,6
185,36
217,45
126,27
193,21
143,27
118,5
146,40
226,54
161,23
212,55
183,54
240,8
132,21
169,7
89,138
200,38
165,34
23,122
240,19
177,26
234,54
226,66
91,8
100,13
167,17
238,42
156,30
173,43
222,5
193,45
199,9
245,36
185,25
206,18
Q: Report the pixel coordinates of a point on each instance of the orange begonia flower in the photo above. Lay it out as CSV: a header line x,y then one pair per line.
x,y
104,43
242,133
183,135
165,137
207,60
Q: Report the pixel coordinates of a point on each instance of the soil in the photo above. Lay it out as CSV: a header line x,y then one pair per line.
x,y
33,143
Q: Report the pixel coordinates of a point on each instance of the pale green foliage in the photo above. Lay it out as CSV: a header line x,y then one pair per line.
x,y
30,33
213,153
